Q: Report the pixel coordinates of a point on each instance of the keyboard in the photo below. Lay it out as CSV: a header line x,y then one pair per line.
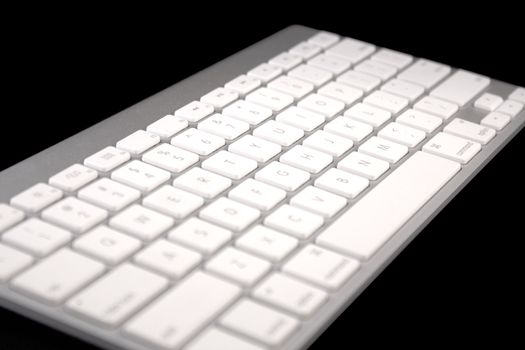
x,y
247,206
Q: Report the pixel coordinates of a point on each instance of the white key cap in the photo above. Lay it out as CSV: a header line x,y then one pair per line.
x,y
198,141
200,235
36,197
229,164
230,214
138,142
223,126
496,120
341,92
167,126
321,104
488,102
359,80
243,84
172,201
72,178
106,245
216,339
352,50
420,120
194,111
292,86
290,294
247,112
368,114
318,201
402,134
330,63
9,216
305,50
341,183
452,147
107,159
259,322
238,266
116,296
220,97
267,243
55,278
349,128
109,194
403,89
294,221
265,72
36,237
375,68
174,318
387,101
286,60
257,194
328,143
75,215
270,98
202,182
278,132
395,200
283,176
363,165
171,158
460,87
168,259
518,95
383,149
425,73
311,74
140,175
437,107
254,148
393,58
324,39
143,223
510,108
470,130
306,159
322,267
11,262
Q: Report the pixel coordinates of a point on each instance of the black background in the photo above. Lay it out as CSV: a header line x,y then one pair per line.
x,y
458,282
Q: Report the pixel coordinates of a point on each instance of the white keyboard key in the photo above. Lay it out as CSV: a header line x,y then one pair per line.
x,y
322,267
286,60
294,221
243,84
352,50
140,222
255,148
305,50
383,149
306,159
270,98
393,58
220,97
172,319
107,159
437,107
301,118
267,243
368,114
341,92
257,194
194,111
168,259
488,102
116,296
510,108
461,87
216,339
229,164
140,175
109,194
452,147
420,120
402,134
9,216
349,128
238,266
167,126
223,126
202,182
496,120
375,68
330,63
318,201
170,158
278,132
363,165
311,74
247,112
290,294
198,141
328,143
283,176
107,245
172,201
72,178
36,197
359,80
12,261
324,39
425,73
74,214
138,142
387,101
518,95
200,235
265,72
403,89
323,105
58,276
291,86
470,130
230,214
342,183
395,200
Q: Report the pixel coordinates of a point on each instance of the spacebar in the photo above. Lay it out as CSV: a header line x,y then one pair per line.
x,y
367,225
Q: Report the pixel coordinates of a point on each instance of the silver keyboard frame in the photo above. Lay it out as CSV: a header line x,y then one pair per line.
x,y
77,147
